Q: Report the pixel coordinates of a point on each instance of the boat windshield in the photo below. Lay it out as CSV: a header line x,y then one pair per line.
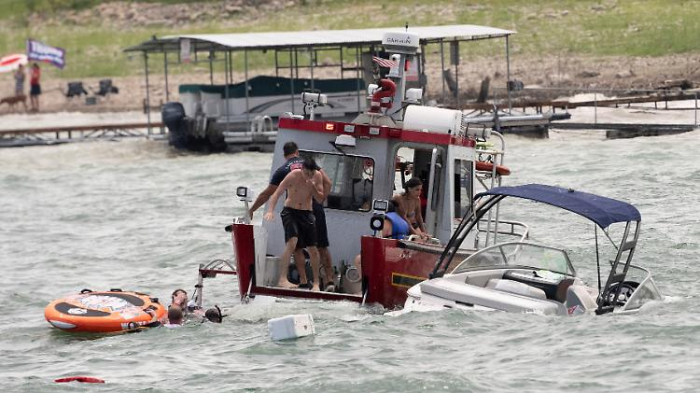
x,y
518,254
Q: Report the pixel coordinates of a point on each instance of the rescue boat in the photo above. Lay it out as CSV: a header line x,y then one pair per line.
x,y
104,312
368,161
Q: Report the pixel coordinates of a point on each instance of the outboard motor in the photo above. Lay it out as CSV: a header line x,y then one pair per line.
x,y
173,116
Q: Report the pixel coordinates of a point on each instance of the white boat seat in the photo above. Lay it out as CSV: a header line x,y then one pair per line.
x,y
579,295
533,279
515,287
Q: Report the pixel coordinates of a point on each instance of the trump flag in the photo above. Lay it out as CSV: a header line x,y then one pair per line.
x,y
41,52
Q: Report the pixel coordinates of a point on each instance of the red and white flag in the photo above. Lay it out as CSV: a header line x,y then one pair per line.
x,y
384,62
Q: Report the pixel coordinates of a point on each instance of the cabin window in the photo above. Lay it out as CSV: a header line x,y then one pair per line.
x,y
463,186
351,180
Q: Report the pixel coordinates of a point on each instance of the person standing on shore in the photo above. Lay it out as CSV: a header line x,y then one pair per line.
x,y
34,87
19,81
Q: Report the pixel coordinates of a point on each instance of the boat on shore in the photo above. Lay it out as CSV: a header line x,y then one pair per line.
x,y
368,160
525,276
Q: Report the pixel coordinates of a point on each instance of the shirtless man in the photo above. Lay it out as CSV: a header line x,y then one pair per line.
x,y
293,161
302,186
175,317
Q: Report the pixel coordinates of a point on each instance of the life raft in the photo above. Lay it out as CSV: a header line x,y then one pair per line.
x,y
486,166
104,312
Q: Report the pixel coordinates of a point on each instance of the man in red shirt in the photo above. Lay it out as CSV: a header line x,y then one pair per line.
x,y
34,87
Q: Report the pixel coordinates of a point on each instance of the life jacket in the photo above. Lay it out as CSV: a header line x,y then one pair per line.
x,y
399,226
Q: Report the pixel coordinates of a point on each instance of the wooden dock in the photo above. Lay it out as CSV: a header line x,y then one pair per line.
x,y
628,130
40,136
541,105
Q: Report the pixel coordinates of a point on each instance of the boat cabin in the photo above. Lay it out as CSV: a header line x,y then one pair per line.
x,y
368,160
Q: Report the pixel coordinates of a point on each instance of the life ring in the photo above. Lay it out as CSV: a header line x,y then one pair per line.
x,y
486,166
104,312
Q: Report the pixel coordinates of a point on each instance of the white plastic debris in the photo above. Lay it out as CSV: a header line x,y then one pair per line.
x,y
291,326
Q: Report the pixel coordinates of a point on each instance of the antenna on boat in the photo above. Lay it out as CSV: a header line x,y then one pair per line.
x,y
402,46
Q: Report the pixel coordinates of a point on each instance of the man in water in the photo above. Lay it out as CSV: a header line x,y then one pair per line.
x,y
302,186
293,161
214,315
179,298
175,317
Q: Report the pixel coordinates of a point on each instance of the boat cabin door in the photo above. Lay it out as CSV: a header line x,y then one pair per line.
x,y
427,164
433,194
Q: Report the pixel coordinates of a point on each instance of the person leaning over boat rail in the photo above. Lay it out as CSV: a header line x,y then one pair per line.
x,y
293,161
302,186
408,206
394,227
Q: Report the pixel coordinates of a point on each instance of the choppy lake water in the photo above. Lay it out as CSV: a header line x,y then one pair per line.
x,y
137,216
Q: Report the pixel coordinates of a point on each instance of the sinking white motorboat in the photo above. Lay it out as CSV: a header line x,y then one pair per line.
x,y
523,276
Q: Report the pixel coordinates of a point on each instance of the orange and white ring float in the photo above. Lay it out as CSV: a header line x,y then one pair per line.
x,y
486,166
104,312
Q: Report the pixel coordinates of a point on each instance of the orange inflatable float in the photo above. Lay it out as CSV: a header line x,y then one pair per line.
x,y
486,166
104,312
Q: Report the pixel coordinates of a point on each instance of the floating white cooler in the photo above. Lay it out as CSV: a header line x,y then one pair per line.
x,y
291,326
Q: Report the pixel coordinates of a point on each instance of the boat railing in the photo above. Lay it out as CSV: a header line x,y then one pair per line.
x,y
261,124
646,289
517,229
495,156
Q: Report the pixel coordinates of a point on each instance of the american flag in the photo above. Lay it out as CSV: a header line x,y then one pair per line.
x,y
384,62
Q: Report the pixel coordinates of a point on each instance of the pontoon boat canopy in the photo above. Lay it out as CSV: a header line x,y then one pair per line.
x,y
601,210
281,40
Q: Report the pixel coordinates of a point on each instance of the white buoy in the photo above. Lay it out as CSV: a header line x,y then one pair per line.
x,y
291,326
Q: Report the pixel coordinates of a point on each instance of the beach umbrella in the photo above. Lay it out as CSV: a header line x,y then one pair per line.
x,y
11,62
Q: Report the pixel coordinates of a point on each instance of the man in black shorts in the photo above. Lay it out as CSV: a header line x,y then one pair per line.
x,y
293,161
302,187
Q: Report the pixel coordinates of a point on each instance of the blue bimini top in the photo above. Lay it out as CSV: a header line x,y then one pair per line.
x,y
601,210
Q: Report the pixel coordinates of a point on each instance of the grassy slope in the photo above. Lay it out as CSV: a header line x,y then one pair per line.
x,y
545,27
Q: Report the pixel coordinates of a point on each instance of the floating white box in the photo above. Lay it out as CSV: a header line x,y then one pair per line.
x,y
291,326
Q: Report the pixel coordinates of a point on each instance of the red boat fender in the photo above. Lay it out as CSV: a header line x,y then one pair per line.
x,y
488,167
80,379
